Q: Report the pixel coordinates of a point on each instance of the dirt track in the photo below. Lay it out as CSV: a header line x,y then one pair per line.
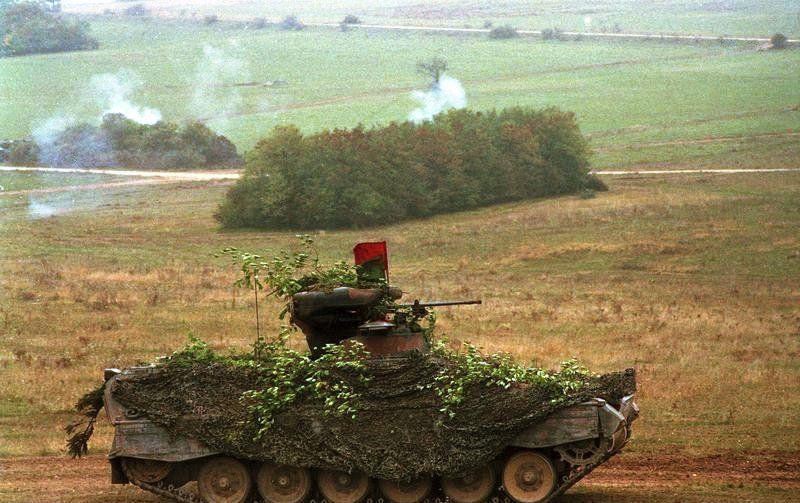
x,y
756,476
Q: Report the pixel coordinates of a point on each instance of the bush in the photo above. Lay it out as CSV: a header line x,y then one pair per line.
x,y
354,178
259,23
291,23
351,19
779,41
503,32
137,10
27,28
552,34
121,142
23,153
210,19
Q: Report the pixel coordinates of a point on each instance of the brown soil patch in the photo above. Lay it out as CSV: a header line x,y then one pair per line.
x,y
776,468
60,479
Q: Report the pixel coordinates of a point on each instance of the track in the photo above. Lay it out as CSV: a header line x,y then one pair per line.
x,y
630,477
161,177
170,175
588,34
134,178
731,171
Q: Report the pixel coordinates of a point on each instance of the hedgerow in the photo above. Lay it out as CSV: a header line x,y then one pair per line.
x,y
121,142
361,177
28,28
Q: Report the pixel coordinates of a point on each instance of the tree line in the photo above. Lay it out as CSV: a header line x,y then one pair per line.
x,y
121,142
361,177
37,27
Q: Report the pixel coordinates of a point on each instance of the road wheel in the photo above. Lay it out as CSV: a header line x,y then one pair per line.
x,y
343,487
529,477
224,480
282,483
472,487
406,492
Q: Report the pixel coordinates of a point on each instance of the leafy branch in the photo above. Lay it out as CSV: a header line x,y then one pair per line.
x,y
291,272
472,368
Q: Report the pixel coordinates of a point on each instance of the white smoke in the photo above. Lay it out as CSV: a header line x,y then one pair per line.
x,y
446,93
112,93
63,203
215,91
587,21
48,131
37,209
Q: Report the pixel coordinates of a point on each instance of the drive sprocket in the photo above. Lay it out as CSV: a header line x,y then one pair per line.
x,y
584,452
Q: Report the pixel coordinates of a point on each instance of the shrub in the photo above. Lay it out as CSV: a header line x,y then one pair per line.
x,y
291,23
136,10
351,19
503,32
27,28
552,34
363,177
23,153
779,41
210,19
259,23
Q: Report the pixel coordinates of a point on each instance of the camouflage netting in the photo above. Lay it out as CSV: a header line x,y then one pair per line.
x,y
398,432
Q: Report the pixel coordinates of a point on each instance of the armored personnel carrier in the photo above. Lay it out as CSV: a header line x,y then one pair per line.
x,y
536,462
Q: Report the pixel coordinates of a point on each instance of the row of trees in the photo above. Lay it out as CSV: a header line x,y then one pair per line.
x,y
33,28
360,177
121,142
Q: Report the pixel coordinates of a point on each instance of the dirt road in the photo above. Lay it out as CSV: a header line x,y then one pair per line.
x,y
740,477
198,176
159,177
130,177
589,34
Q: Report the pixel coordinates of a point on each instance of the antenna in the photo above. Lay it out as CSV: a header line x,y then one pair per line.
x,y
258,326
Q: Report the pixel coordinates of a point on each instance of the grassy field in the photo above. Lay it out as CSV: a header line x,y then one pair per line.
x,y
623,92
692,279
742,17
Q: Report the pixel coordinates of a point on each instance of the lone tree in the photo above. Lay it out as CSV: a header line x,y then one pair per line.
x,y
779,41
433,68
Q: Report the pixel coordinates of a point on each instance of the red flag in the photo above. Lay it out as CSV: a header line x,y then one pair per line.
x,y
373,257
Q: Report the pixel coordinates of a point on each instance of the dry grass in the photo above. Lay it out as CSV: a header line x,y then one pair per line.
x,y
691,279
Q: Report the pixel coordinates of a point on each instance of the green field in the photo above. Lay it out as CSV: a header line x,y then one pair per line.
x,y
692,279
624,92
722,17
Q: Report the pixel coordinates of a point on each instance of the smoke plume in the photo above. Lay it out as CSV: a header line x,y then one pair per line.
x,y
446,93
112,93
214,83
48,131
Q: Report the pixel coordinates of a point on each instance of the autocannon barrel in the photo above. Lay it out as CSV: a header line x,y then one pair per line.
x,y
439,303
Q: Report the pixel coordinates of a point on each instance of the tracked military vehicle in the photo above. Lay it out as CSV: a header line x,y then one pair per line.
x,y
536,464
